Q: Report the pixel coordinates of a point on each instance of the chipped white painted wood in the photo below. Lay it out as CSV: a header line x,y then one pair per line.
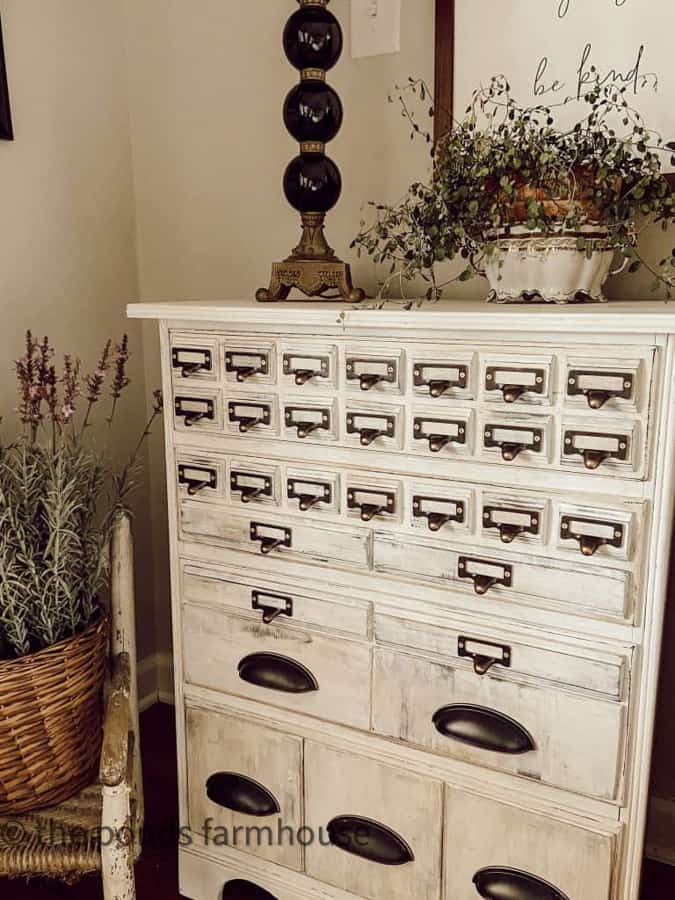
x,y
397,503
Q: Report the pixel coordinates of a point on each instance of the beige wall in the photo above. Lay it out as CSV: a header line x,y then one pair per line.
x,y
67,235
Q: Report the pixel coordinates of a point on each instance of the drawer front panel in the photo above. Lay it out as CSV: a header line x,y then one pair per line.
x,y
526,730
601,592
267,534
377,813
296,669
510,852
513,380
601,386
202,586
243,775
308,367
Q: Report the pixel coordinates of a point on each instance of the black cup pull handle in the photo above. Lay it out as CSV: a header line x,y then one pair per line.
x,y
277,673
241,794
238,889
484,728
370,840
501,882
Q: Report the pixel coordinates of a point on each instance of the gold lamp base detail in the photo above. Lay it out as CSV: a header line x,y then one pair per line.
x,y
312,268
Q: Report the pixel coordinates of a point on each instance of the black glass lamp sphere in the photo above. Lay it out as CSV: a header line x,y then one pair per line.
x,y
313,39
313,112
312,183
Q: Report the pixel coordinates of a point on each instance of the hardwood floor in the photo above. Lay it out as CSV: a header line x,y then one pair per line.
x,y
156,873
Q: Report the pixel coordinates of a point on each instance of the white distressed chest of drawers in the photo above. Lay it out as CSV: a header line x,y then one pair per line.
x,y
419,565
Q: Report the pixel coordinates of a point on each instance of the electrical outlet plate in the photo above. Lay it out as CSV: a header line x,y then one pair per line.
x,y
376,27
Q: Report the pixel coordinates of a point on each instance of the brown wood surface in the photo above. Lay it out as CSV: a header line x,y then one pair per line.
x,y
445,65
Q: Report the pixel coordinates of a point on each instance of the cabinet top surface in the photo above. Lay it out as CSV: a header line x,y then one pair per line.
x,y
618,316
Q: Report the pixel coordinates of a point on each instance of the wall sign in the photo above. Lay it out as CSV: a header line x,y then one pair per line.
x,y
6,132
553,52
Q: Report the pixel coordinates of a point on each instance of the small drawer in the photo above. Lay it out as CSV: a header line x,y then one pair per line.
x,y
595,533
254,597
252,415
252,483
308,366
442,374
313,491
516,381
383,824
511,519
243,776
478,708
498,850
608,447
198,410
525,440
293,668
445,432
250,364
297,539
606,386
602,592
374,426
441,509
194,358
311,422
200,477
374,373
373,500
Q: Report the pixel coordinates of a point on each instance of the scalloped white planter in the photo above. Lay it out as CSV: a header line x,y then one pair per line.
x,y
535,269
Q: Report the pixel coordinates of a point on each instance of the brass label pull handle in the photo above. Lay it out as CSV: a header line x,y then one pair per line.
x,y
193,410
270,537
484,573
501,378
304,368
307,426
272,606
574,529
423,430
369,431
250,486
577,443
485,654
511,522
440,378
248,415
589,383
511,448
373,503
245,365
196,478
191,361
436,518
371,372
309,494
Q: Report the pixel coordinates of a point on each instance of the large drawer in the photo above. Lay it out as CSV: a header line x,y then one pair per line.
x,y
283,536
514,707
243,779
384,824
296,668
503,852
598,592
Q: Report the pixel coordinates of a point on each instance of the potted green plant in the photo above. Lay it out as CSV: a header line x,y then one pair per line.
x,y
59,495
541,209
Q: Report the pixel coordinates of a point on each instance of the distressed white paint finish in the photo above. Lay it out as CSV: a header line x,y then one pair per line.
x,y
587,758
323,608
214,643
221,744
482,833
587,591
599,652
339,784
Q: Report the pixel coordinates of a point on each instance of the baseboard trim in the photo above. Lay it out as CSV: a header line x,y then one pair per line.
x,y
155,680
660,844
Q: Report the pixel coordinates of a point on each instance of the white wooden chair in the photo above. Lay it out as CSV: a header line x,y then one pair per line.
x,y
100,829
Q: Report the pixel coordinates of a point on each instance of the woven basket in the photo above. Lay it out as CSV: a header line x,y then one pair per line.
x,y
50,721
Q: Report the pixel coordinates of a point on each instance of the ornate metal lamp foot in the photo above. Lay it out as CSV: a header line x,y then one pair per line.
x,y
312,268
